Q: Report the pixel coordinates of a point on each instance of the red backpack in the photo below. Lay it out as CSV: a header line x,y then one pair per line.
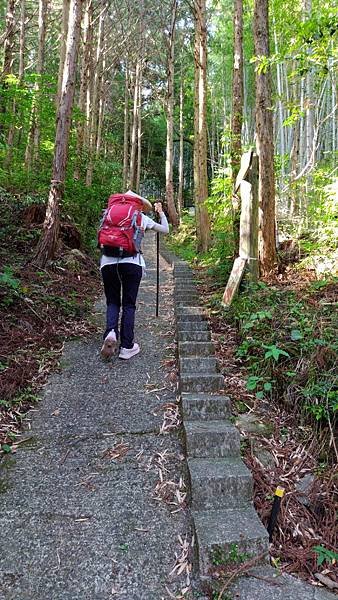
x,y
121,224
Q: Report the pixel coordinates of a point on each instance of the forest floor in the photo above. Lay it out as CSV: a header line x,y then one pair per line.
x,y
39,310
283,443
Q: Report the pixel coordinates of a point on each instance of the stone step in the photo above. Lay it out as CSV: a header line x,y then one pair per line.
x,y
178,274
219,483
185,317
183,325
186,288
206,407
184,276
208,382
195,348
193,336
185,301
184,282
198,364
265,582
190,300
221,532
192,311
181,266
182,294
211,439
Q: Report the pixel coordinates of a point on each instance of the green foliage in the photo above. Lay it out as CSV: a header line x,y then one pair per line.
x,y
233,556
274,352
9,286
217,259
183,242
325,555
295,361
84,205
7,279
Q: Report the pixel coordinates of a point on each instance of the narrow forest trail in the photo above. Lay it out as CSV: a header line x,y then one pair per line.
x,y
84,513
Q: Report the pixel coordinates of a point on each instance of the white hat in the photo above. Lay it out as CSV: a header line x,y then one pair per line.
x,y
147,204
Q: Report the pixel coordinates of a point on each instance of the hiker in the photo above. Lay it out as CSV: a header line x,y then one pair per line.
x,y
121,269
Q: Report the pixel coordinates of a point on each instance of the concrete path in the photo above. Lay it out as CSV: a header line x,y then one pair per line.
x,y
93,505
78,514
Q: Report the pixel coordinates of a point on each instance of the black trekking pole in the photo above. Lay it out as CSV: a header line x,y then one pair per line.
x,y
157,270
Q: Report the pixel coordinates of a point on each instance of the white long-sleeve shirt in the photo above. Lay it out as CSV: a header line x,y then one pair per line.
x,y
147,223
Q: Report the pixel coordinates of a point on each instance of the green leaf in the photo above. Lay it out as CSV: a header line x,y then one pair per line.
x,y
324,554
252,382
267,386
274,352
6,448
296,335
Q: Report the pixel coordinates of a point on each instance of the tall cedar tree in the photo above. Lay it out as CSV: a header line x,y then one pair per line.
x,y
173,216
237,112
49,241
264,141
200,122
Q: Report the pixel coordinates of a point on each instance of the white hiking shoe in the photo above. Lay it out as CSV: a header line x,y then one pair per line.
x,y
127,353
109,345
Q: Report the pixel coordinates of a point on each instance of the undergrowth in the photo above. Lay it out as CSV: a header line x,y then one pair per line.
x,y
39,309
288,343
287,331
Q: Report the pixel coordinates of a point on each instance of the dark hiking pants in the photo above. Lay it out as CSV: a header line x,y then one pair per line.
x,y
125,278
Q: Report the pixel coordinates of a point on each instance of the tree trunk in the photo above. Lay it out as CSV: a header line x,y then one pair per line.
x,y
48,244
202,214
8,57
11,132
196,120
180,202
213,137
101,111
293,201
95,99
126,128
280,111
63,40
309,100
237,90
139,137
237,114
265,148
333,107
169,183
132,169
33,139
43,9
83,125
22,40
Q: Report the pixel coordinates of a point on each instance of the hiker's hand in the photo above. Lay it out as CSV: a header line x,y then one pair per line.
x,y
158,207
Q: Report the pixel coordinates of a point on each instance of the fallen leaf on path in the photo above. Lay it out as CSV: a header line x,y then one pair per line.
x,y
155,390
117,452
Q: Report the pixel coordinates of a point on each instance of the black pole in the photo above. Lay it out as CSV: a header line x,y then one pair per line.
x,y
279,493
157,271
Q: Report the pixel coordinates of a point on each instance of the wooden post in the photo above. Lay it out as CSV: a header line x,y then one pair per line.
x,y
248,242
247,183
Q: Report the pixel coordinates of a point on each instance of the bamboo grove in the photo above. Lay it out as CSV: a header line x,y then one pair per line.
x,y
163,98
